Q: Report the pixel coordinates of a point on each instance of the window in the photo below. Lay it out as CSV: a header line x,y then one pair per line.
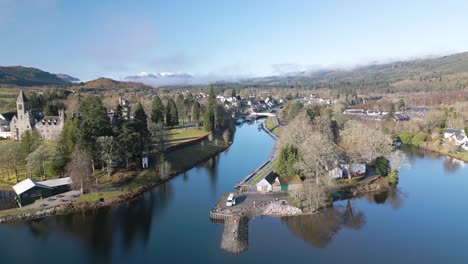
x,y
20,107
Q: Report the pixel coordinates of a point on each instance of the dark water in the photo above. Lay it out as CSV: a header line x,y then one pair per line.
x,y
424,221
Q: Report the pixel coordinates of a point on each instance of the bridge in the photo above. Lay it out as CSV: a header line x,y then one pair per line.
x,y
262,114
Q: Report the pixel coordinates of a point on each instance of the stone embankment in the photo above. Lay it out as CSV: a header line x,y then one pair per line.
x,y
281,208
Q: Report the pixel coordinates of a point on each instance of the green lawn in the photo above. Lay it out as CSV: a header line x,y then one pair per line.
x,y
181,135
183,159
270,123
94,197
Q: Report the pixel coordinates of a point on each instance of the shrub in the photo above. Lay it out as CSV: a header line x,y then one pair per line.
x,y
382,166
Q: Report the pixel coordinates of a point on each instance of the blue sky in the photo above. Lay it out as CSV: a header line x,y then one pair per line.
x,y
223,39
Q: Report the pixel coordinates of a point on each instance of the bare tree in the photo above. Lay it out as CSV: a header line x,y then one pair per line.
x,y
296,131
108,149
39,159
80,168
14,157
318,155
364,142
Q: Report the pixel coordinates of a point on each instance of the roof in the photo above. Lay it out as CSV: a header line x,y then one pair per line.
x,y
454,131
57,182
26,185
7,116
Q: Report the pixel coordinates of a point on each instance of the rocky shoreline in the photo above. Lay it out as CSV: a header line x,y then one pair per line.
x,y
76,207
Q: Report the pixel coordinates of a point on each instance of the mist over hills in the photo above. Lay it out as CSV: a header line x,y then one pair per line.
x,y
437,73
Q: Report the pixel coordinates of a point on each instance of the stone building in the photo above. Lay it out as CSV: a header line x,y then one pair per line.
x,y
48,128
23,120
126,108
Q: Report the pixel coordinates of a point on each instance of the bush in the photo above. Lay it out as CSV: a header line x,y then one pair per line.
x,y
406,138
382,166
418,139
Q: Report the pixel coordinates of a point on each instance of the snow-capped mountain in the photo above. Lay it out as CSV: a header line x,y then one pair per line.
x,y
162,78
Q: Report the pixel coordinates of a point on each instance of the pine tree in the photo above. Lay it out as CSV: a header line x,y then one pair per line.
x,y
140,124
196,113
157,111
172,116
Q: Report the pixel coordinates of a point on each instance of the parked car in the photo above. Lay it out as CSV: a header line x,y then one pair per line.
x,y
231,201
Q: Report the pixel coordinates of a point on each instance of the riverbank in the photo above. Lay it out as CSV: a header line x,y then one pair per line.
x,y
441,149
189,157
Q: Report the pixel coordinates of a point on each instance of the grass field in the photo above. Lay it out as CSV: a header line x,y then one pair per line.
x,y
270,123
183,159
181,135
7,99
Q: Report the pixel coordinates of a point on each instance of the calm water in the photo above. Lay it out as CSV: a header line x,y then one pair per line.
x,y
425,220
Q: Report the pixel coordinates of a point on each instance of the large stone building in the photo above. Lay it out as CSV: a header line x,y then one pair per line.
x,y
48,128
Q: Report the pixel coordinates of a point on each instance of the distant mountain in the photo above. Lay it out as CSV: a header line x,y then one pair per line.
x,y
437,73
162,78
67,78
106,83
23,76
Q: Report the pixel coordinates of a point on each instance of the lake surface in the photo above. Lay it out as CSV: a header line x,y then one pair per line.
x,y
425,220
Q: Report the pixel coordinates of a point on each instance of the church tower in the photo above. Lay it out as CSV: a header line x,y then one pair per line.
x,y
23,120
22,106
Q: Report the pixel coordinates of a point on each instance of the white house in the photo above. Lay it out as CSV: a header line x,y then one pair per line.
x,y
373,112
266,184
355,169
458,136
221,98
336,173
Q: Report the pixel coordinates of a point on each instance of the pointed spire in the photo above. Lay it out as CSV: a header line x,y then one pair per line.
x,y
22,97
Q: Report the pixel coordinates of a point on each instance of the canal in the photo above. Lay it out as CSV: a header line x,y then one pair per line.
x,y
425,220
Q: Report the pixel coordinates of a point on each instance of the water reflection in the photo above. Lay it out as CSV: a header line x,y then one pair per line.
x,y
320,229
452,165
7,200
99,229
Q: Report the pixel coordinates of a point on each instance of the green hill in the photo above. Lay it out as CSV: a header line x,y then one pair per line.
x,y
23,76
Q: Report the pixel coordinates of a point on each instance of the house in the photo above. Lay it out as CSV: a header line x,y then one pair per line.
x,y
399,117
221,98
373,112
266,184
465,146
354,170
4,129
458,136
28,191
336,173
354,112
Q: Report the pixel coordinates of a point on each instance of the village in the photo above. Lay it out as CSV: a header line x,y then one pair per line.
x,y
14,124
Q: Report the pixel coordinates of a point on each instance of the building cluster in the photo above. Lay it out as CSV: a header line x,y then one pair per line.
x,y
457,137
15,124
126,111
316,99
201,96
377,114
261,105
